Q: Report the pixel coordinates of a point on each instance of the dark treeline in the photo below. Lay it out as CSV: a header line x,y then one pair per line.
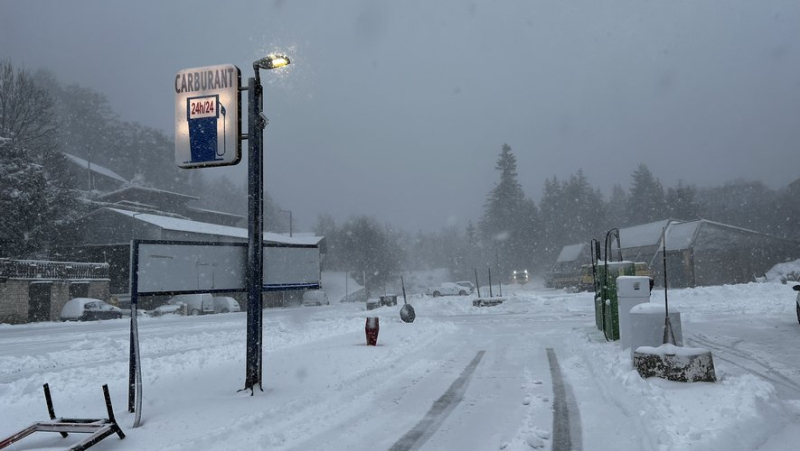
x,y
515,233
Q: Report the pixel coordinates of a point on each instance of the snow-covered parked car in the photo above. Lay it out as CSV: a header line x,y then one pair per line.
x,y
196,304
797,302
467,284
315,297
169,309
447,289
226,304
89,309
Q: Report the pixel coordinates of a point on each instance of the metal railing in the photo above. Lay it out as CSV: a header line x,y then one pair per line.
x,y
42,269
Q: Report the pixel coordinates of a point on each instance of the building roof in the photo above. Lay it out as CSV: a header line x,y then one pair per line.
x,y
570,253
644,234
185,225
682,236
144,192
214,212
94,167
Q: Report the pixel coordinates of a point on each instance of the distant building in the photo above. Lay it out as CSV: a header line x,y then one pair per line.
x,y
639,242
566,271
35,290
702,253
96,177
129,212
699,253
106,234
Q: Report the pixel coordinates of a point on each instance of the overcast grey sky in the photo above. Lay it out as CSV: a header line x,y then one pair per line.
x,y
398,109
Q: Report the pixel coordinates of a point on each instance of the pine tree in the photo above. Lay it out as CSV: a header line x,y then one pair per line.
x,y
553,234
583,208
681,202
367,248
646,202
506,225
616,213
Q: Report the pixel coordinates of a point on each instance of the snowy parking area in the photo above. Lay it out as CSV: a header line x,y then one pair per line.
x,y
459,377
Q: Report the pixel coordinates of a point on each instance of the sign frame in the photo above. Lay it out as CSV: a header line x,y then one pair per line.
x,y
208,132
270,282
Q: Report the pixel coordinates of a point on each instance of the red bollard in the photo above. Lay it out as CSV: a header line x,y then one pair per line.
x,y
371,329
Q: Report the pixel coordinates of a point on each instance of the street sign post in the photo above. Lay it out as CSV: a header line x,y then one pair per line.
x,y
204,133
208,116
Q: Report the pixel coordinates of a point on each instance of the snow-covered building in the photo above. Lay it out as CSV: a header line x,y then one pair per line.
x,y
106,233
703,252
36,290
638,243
142,198
124,212
97,177
567,269
699,252
111,188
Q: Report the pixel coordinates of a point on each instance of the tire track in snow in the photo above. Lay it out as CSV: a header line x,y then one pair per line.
x,y
441,408
566,421
740,358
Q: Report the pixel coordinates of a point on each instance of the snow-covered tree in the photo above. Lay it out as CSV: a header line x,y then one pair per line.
x,y
646,201
681,202
616,208
508,225
26,111
33,202
35,196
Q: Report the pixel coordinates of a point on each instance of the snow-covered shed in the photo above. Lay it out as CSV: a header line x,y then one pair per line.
x,y
567,267
704,252
639,242
106,233
699,252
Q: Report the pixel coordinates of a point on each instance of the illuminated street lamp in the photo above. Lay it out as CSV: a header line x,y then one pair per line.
x,y
271,61
255,209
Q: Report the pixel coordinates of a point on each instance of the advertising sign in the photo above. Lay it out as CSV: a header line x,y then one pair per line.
x,y
208,116
173,267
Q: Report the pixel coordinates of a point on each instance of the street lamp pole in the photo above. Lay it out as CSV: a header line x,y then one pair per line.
x,y
255,210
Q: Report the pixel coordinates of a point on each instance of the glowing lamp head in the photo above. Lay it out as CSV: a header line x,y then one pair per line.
x,y
272,61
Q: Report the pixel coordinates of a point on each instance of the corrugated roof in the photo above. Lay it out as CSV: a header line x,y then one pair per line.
x,y
94,167
185,225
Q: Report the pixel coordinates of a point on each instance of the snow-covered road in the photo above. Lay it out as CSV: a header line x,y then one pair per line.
x,y
530,373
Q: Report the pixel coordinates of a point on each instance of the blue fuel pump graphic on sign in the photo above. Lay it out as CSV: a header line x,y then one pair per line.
x,y
203,114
